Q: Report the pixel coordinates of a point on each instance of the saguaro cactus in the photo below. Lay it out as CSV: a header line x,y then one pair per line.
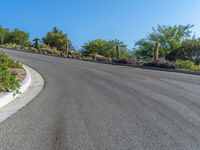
x,y
95,56
67,49
156,51
118,51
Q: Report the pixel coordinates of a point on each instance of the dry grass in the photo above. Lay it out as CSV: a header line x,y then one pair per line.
x,y
19,73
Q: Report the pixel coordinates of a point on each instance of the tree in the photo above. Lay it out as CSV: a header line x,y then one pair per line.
x,y
18,37
102,47
169,37
105,48
57,39
3,34
143,49
189,50
36,42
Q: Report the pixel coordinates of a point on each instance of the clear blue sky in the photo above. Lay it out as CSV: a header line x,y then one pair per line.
x,y
83,20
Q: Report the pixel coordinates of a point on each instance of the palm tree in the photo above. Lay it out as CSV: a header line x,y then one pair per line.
x,y
36,42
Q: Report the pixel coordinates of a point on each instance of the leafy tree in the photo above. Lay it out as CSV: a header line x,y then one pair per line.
x,y
57,39
143,49
3,34
102,47
105,48
189,50
18,37
169,37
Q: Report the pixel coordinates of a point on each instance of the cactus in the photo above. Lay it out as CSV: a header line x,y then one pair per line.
x,y
118,51
67,49
156,51
95,56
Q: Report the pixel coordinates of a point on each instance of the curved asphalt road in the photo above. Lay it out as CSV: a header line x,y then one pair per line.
x,y
91,106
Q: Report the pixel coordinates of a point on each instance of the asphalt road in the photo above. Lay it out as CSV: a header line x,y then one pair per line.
x,y
91,106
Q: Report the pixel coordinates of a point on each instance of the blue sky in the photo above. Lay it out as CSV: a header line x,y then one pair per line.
x,y
83,20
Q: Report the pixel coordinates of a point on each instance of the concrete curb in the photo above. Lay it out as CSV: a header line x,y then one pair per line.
x,y
29,93
11,96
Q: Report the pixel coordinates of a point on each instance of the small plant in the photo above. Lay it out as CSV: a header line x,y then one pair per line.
x,y
11,63
187,65
7,80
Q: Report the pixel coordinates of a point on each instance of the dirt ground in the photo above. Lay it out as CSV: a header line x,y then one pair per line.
x,y
19,73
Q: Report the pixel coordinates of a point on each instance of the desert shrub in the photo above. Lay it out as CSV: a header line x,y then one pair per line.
x,y
128,61
11,63
187,65
7,80
51,51
97,57
56,52
160,64
33,49
13,46
121,61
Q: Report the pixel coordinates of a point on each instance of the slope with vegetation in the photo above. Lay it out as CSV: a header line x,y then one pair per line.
x,y
165,46
175,45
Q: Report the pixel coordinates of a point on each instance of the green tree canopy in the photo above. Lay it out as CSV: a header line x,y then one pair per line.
x,y
105,48
18,37
144,49
102,47
3,34
189,50
169,37
57,39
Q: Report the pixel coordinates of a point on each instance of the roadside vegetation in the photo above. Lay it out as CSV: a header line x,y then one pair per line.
x,y
172,47
177,48
11,73
187,65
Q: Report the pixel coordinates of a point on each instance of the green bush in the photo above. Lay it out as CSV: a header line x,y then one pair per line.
x,y
187,65
7,80
11,63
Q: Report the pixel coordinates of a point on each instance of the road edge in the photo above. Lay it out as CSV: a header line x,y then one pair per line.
x,y
11,96
27,95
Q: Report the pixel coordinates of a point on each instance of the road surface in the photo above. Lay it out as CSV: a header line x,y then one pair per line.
x,y
91,106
